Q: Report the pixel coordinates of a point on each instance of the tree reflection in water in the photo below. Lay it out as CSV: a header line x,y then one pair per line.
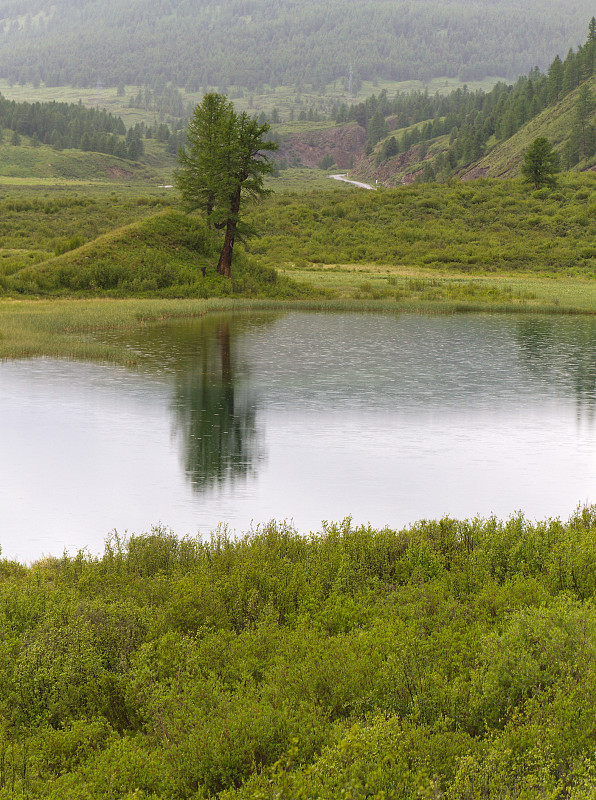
x,y
214,411
562,352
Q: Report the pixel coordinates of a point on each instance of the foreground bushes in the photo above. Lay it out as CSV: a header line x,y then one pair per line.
x,y
451,659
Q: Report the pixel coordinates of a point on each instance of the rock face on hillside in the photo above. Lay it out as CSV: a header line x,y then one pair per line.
x,y
475,173
344,143
393,172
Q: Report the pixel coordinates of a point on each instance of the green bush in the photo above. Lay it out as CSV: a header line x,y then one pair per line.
x,y
453,658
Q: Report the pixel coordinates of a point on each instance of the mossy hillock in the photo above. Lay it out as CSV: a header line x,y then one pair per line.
x,y
168,254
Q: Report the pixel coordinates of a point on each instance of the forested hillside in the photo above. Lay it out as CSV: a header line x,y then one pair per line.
x,y
67,125
418,136
253,43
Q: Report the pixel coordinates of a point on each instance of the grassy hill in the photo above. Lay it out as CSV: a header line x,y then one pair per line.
x,y
43,163
557,123
169,253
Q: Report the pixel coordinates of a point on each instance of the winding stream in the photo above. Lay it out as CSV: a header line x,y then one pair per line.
x,y
342,177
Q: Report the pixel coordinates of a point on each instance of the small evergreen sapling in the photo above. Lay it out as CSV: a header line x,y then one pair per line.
x,y
541,163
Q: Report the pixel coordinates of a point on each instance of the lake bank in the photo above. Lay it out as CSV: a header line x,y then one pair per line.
x,y
58,327
481,245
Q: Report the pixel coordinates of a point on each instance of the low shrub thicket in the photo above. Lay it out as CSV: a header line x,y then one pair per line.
x,y
451,659
481,226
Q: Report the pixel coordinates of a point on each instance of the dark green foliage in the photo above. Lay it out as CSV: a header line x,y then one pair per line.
x,y
471,119
540,163
584,132
452,657
225,161
390,148
478,122
264,42
62,125
555,80
326,162
377,128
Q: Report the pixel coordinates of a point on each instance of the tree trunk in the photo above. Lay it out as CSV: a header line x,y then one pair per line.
x,y
225,260
224,266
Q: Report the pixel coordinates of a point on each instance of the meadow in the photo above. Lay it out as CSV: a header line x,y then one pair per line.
x,y
287,99
480,227
479,246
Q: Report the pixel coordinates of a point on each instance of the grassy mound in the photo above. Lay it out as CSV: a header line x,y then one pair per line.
x,y
169,254
43,162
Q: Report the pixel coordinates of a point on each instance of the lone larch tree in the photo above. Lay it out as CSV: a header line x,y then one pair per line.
x,y
225,159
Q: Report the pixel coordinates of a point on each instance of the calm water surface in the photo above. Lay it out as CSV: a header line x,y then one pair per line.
x,y
310,417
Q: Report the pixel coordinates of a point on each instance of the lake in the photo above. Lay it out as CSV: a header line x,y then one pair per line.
x,y
240,419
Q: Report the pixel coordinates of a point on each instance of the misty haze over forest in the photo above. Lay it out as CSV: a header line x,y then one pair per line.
x,y
258,43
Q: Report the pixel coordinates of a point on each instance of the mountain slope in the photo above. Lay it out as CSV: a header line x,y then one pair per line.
x,y
279,42
556,123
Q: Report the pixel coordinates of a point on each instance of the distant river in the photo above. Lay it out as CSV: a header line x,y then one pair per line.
x,y
311,417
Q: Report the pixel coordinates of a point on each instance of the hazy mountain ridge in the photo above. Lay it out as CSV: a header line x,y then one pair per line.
x,y
253,43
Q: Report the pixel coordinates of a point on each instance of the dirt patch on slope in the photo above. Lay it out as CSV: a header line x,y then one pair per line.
x,y
396,171
118,173
474,173
344,143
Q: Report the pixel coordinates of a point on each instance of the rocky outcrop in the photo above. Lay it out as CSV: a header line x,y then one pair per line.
x,y
393,172
344,143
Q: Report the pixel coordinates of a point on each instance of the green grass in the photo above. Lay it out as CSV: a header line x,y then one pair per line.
x,y
484,245
282,98
35,223
478,245
303,180
286,99
169,254
60,327
44,164
104,98
498,228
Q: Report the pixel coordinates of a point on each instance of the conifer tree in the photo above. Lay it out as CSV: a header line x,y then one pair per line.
x,y
584,108
555,80
541,163
225,158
